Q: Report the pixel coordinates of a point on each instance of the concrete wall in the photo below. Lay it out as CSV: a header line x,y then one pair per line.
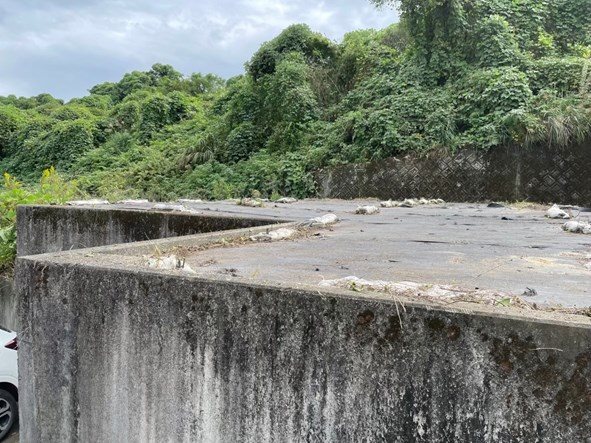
x,y
540,174
114,355
43,229
8,303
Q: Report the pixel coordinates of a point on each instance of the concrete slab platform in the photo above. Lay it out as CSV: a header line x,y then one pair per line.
x,y
469,245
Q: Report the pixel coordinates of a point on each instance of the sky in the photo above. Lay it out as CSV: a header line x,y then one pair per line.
x,y
64,47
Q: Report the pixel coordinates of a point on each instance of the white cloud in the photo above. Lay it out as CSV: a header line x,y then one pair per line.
x,y
66,46
320,15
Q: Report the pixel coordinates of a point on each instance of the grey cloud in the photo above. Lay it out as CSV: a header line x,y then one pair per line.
x,y
66,46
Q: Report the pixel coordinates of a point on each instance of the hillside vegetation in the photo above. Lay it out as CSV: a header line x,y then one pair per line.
x,y
453,74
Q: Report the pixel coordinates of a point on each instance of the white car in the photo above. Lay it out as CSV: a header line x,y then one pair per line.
x,y
8,381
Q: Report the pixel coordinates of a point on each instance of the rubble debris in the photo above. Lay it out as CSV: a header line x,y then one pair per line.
x,y
278,234
133,202
169,263
529,292
367,210
286,200
577,227
251,202
321,222
91,202
184,201
556,212
167,207
438,292
356,283
411,203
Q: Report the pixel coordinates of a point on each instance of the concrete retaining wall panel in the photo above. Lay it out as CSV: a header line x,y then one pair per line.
x,y
42,229
115,355
540,174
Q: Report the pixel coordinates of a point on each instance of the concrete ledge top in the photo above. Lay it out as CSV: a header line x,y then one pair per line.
x,y
470,246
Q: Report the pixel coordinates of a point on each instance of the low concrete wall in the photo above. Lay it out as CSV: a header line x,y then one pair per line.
x,y
43,229
127,355
8,303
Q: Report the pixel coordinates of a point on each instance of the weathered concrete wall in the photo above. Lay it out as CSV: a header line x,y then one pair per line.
x,y
541,174
122,355
8,303
43,229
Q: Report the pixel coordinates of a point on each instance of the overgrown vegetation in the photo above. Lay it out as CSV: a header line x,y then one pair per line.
x,y
453,74
51,189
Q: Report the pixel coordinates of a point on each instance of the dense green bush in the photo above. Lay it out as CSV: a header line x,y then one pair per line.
x,y
51,189
560,74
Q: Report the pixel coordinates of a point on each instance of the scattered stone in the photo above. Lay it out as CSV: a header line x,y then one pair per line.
x,y
495,205
359,284
411,203
577,227
356,283
169,263
529,292
251,202
556,212
167,207
323,221
184,201
276,235
286,200
408,203
133,202
439,292
91,202
367,210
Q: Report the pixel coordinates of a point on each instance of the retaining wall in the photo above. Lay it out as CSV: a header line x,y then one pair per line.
x,y
540,174
128,355
43,229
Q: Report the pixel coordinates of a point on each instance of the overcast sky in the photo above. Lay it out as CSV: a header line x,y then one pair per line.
x,y
64,47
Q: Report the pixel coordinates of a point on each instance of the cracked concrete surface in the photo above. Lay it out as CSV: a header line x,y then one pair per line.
x,y
469,245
